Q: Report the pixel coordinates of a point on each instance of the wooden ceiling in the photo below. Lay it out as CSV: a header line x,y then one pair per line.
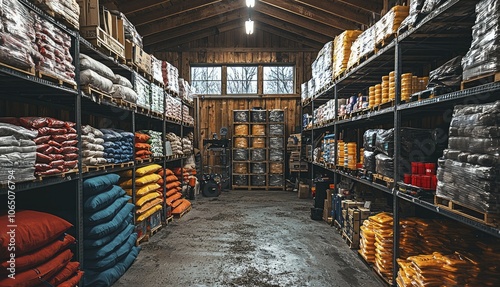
x,y
167,25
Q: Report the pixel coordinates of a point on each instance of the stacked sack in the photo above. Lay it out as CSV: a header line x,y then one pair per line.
x,y
177,203
155,141
173,108
156,69
186,117
187,145
42,251
109,241
468,172
17,35
92,148
483,56
147,199
101,77
186,90
367,241
54,47
382,224
143,89
118,146
321,67
56,144
362,46
170,76
142,147
172,186
66,9
341,51
175,143
17,153
157,99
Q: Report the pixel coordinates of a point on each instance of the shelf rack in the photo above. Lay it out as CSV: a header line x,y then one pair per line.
x,y
25,87
432,41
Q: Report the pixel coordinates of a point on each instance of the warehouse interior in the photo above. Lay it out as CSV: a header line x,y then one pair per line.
x,y
249,143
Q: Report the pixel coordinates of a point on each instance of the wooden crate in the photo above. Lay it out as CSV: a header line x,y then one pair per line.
x,y
137,58
103,41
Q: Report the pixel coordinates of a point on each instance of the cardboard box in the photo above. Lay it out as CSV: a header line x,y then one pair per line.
x,y
89,12
354,213
303,191
346,204
327,210
365,213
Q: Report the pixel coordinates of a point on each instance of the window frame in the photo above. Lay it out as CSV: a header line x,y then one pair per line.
x,y
208,66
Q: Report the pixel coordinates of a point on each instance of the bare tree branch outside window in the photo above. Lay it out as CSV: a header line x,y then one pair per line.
x,y
242,80
278,80
207,80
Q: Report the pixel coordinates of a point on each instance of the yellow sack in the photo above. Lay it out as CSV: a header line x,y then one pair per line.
x,y
147,189
142,171
147,179
150,196
149,213
149,205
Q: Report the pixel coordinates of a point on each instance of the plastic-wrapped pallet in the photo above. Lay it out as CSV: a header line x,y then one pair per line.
x,y
186,117
187,146
185,90
143,89
67,9
157,98
156,69
56,144
468,173
108,237
170,76
389,23
142,147
342,50
304,92
17,153
54,46
322,66
92,148
118,146
483,56
414,15
362,46
17,38
173,108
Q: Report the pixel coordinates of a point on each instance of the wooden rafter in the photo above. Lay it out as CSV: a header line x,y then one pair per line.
x,y
189,17
290,36
160,14
338,9
287,17
374,6
127,7
308,14
190,28
297,30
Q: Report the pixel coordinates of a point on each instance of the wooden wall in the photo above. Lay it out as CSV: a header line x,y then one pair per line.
x,y
234,47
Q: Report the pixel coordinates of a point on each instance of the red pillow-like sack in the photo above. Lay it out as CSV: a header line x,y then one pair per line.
x,y
35,276
34,230
65,274
39,256
73,281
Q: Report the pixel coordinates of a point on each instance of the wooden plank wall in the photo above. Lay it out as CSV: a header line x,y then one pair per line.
x,y
233,47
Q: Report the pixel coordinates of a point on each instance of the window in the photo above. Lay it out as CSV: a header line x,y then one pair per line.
x,y
242,80
278,80
207,80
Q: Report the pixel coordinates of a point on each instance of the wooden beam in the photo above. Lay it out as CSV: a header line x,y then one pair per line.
x,y
181,31
315,46
173,44
308,15
252,50
374,6
340,10
160,14
189,17
127,7
297,30
287,17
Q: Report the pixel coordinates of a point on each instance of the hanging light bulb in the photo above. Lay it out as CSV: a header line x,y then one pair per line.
x,y
250,3
249,26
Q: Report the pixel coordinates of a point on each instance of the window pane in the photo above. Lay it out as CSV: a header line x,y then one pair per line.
x,y
207,80
242,80
278,80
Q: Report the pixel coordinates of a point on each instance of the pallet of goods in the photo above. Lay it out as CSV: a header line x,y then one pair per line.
x,y
67,11
103,29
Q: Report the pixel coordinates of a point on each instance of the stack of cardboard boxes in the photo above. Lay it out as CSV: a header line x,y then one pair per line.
x,y
327,210
353,214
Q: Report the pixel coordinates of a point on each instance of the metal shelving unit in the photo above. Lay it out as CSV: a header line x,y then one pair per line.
x,y
416,48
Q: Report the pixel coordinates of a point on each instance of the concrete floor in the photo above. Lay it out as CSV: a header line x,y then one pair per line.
x,y
248,238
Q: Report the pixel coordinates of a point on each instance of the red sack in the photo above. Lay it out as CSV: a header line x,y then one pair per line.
x,y
69,143
54,143
57,163
50,172
56,156
69,149
64,137
33,122
39,167
70,164
54,123
42,158
70,156
43,147
51,131
41,140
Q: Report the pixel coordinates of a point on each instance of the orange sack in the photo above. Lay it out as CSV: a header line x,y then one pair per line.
x,y
173,198
185,204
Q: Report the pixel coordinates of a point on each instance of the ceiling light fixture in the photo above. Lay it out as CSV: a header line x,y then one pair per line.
x,y
250,3
249,26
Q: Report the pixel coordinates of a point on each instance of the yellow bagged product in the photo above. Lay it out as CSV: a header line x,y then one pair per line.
x,y
241,130
149,213
144,208
147,189
147,179
142,200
